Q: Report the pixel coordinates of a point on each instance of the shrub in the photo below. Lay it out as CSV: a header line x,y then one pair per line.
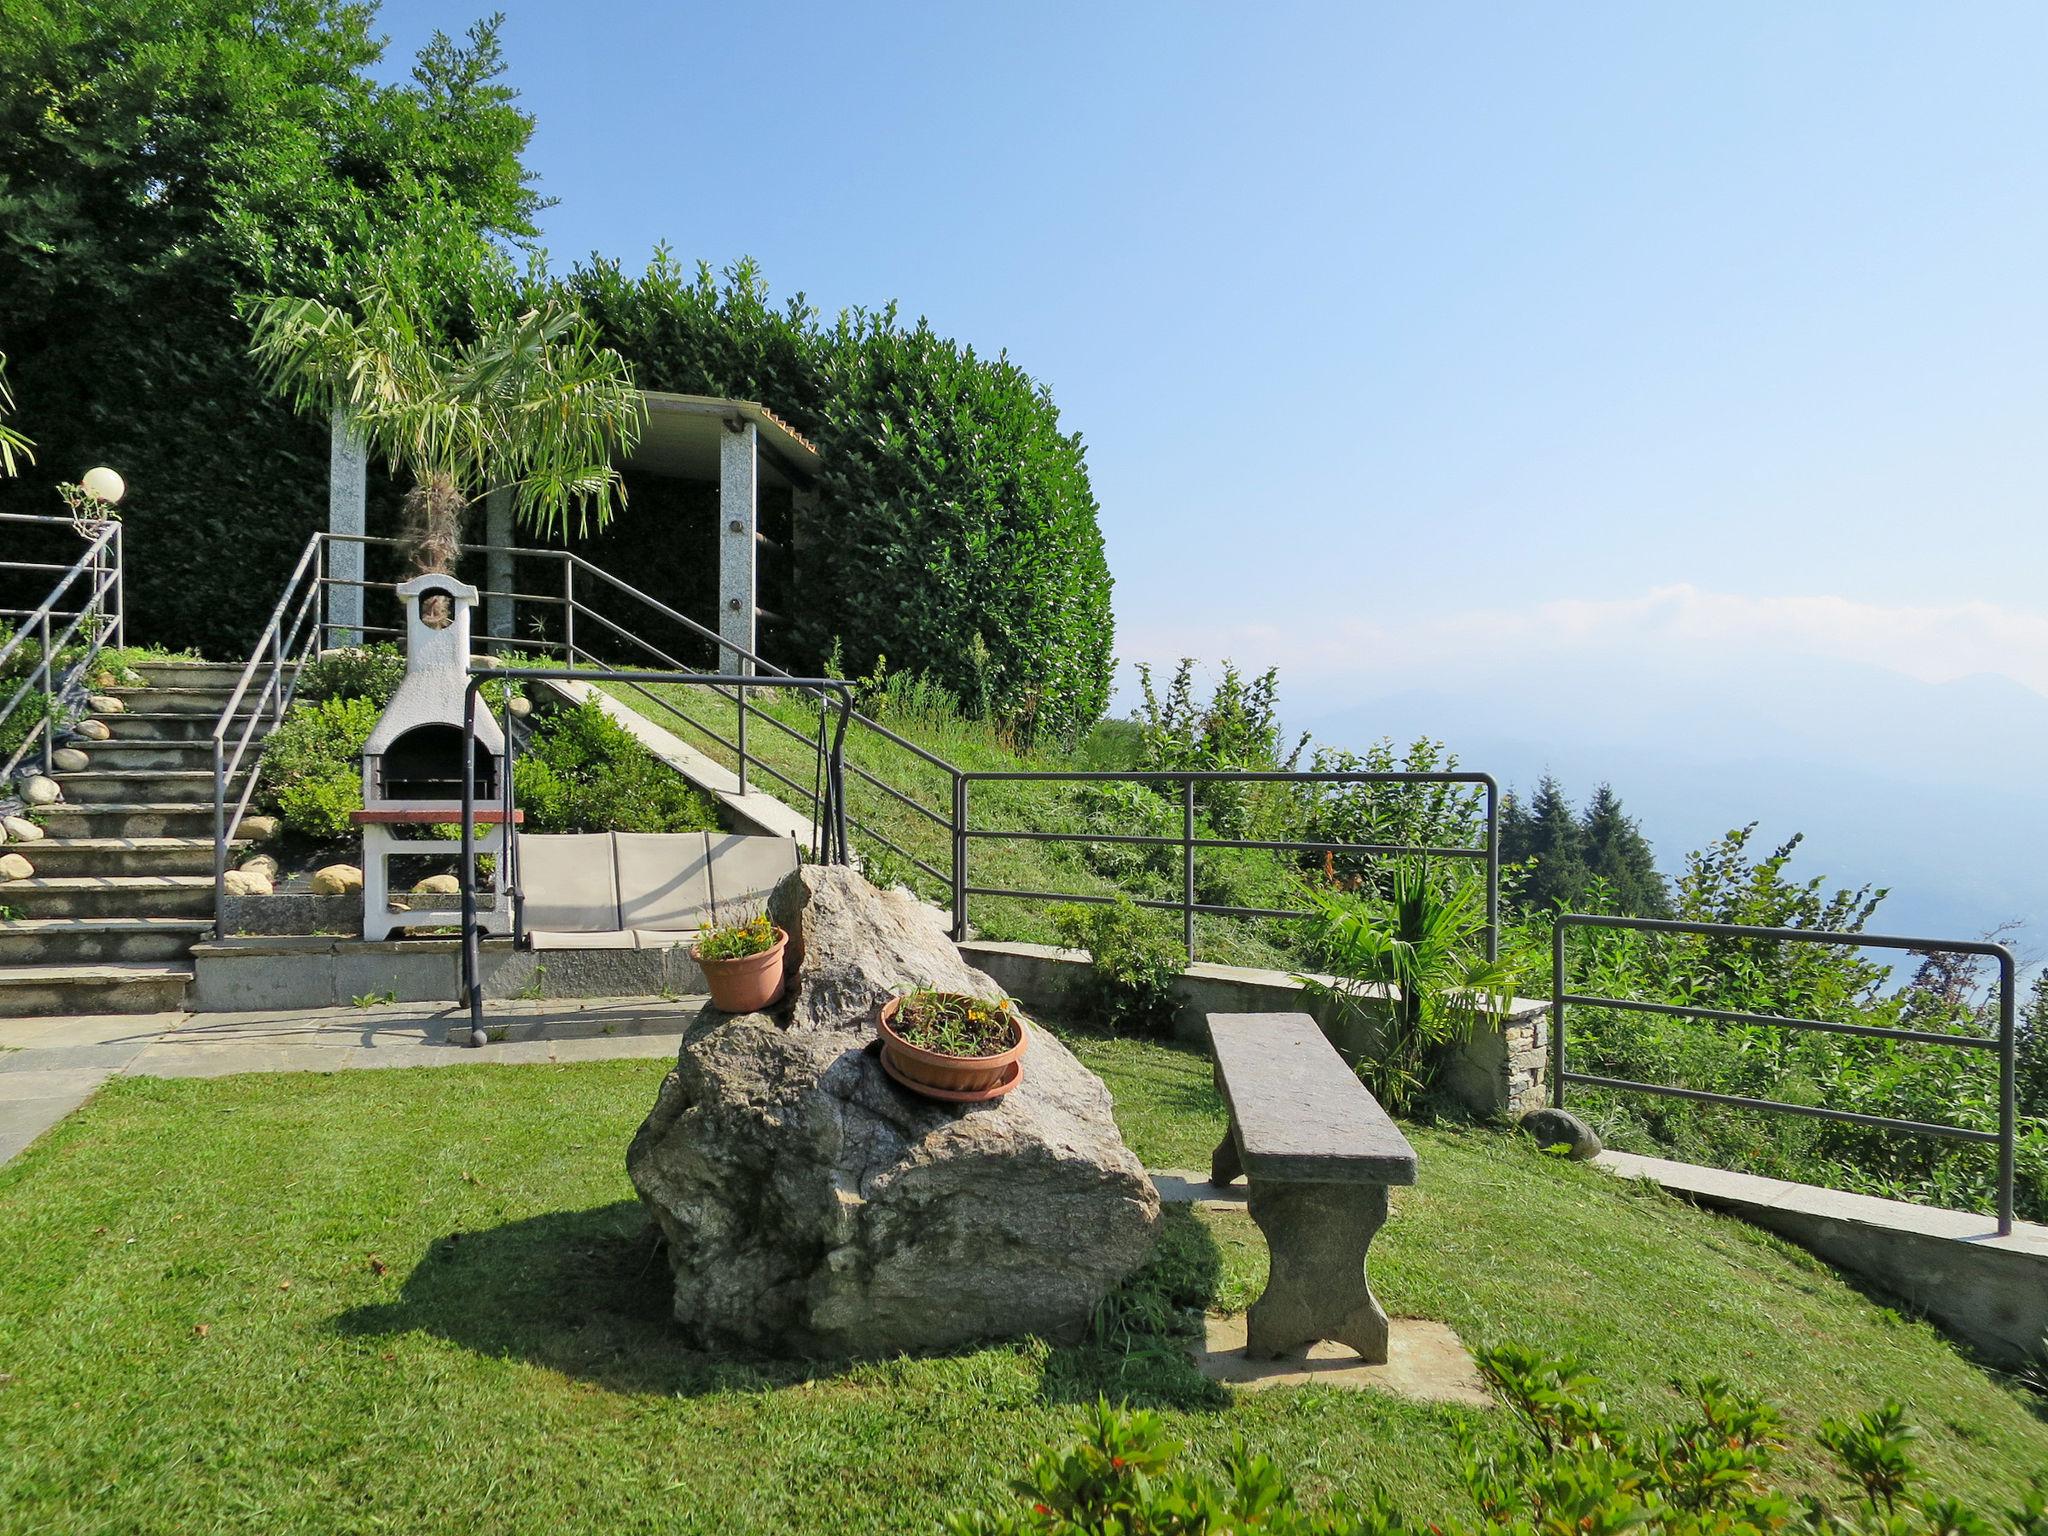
x,y
1133,957
1413,964
370,672
311,771
1575,1468
584,772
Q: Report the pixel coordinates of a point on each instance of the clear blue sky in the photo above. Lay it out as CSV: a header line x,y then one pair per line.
x,y
1387,325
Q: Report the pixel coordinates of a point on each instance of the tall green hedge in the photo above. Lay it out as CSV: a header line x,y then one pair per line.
x,y
158,157
952,507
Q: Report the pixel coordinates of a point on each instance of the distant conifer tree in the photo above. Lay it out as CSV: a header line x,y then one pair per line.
x,y
1555,844
1613,847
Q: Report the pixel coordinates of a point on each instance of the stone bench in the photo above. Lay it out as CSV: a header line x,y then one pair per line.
x,y
1320,1154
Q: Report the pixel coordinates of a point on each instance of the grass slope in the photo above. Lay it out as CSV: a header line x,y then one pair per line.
x,y
415,1300
1255,878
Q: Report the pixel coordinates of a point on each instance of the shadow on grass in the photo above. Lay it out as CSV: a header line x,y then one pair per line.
x,y
1137,1350
586,1293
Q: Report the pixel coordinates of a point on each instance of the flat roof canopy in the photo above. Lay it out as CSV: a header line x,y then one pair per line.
x,y
682,433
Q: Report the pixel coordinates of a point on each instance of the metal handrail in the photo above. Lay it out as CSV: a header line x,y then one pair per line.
x,y
2005,1043
1190,843
582,581
832,825
101,611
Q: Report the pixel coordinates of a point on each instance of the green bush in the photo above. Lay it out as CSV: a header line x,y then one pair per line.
x,y
1134,958
955,529
312,774
1577,1470
370,672
584,772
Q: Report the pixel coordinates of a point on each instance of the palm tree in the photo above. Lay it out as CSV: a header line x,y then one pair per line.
x,y
1414,964
527,402
12,443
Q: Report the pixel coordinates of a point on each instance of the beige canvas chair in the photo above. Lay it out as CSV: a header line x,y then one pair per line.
x,y
643,890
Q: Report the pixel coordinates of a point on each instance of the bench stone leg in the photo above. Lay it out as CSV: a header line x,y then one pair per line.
x,y
1317,1235
1224,1163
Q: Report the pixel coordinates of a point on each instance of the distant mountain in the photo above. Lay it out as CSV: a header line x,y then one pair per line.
x,y
1934,789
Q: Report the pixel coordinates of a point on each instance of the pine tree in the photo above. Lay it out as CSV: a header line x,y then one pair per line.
x,y
1555,843
2031,1068
1517,830
1614,848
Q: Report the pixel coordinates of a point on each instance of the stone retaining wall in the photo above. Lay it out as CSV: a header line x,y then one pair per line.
x,y
1500,1071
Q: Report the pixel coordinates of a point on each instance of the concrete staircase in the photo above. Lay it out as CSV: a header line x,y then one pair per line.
x,y
124,877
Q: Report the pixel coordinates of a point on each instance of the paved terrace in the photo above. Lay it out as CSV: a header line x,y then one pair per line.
x,y
50,1066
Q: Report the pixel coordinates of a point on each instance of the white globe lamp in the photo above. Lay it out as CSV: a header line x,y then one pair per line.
x,y
102,484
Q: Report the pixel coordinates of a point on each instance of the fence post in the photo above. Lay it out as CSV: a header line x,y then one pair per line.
x,y
1492,870
220,840
959,856
569,612
277,675
49,674
118,548
2007,1089
1187,866
1557,1012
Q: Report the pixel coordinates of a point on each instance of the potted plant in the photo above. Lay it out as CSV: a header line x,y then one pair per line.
x,y
953,1047
742,964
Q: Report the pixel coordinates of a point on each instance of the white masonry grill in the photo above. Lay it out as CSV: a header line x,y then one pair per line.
x,y
412,763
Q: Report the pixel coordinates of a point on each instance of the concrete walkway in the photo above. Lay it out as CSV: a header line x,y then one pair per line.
x,y
50,1066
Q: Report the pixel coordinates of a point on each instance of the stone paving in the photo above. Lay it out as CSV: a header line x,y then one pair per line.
x,y
50,1066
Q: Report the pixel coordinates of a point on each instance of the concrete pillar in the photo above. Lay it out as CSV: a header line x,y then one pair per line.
x,y
738,564
348,496
500,618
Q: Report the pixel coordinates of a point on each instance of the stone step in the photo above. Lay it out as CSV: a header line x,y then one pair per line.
x,y
125,756
110,896
143,987
130,818
59,857
96,940
165,726
223,675
160,786
174,701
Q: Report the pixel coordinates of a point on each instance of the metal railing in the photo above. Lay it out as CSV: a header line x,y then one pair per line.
x,y
831,847
1190,843
2004,1043
90,595
590,621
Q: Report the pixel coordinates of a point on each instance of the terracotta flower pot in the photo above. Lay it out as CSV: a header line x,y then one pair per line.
x,y
746,984
954,1079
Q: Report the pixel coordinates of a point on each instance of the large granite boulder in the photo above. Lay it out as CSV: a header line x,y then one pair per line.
x,y
853,947
814,1207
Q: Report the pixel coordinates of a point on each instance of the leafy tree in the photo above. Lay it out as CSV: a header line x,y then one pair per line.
x,y
1428,815
955,529
1237,727
158,157
521,399
1613,849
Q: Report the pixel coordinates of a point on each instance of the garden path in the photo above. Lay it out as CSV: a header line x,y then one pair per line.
x,y
50,1066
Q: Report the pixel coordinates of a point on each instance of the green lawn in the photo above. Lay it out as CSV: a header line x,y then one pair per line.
x,y
416,1300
